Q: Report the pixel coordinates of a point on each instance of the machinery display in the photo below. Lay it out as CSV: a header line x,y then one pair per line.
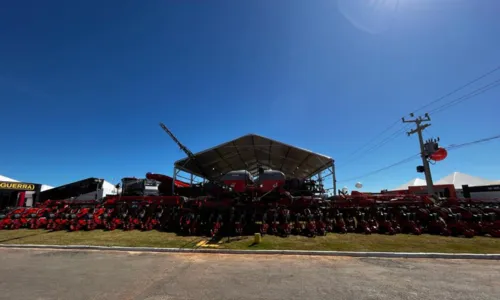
x,y
229,216
252,185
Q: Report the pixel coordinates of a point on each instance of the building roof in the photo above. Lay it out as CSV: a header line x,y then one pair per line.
x,y
252,151
3,178
413,182
458,179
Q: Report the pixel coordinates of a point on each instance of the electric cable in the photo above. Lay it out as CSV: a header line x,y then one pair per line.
x,y
483,140
437,110
388,139
410,158
458,89
461,99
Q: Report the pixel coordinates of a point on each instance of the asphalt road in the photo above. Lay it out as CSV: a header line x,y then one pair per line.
x,y
51,274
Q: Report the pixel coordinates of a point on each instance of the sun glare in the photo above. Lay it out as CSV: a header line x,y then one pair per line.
x,y
373,16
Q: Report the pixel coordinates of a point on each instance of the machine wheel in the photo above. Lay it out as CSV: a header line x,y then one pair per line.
x,y
469,233
495,233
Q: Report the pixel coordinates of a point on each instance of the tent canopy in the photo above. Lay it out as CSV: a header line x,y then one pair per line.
x,y
413,182
252,151
458,179
4,178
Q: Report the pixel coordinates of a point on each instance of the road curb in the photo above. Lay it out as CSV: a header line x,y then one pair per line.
x,y
266,252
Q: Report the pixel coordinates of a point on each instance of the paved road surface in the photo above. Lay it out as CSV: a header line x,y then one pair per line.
x,y
51,274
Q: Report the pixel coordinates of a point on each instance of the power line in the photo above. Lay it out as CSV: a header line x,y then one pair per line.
x,y
389,138
394,135
376,137
458,89
413,157
439,109
483,140
472,94
408,159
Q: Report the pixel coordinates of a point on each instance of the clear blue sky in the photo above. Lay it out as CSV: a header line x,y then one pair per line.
x,y
83,84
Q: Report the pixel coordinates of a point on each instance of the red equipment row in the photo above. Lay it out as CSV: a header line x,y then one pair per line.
x,y
77,215
361,213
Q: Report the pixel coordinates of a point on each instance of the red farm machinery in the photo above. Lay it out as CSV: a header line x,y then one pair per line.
x,y
255,184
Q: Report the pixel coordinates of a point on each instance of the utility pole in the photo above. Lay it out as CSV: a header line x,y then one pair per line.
x,y
423,153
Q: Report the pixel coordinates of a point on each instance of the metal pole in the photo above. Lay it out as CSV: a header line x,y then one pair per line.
x,y
334,178
320,180
173,180
97,188
38,190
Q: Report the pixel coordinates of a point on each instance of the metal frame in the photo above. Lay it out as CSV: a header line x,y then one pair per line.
x,y
334,178
192,177
330,172
330,166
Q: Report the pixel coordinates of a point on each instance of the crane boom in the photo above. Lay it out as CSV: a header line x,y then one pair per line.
x,y
188,152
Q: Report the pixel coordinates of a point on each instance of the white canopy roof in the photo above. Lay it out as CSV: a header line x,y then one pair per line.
x,y
3,178
458,179
45,187
413,182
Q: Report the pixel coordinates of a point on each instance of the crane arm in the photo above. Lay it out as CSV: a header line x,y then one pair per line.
x,y
188,152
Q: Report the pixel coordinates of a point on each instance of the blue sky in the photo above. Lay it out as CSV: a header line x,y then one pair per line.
x,y
84,84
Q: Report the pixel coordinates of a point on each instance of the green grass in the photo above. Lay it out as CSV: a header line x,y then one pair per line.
x,y
334,242
375,243
133,238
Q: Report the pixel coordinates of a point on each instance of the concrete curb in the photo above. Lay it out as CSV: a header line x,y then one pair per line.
x,y
267,252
